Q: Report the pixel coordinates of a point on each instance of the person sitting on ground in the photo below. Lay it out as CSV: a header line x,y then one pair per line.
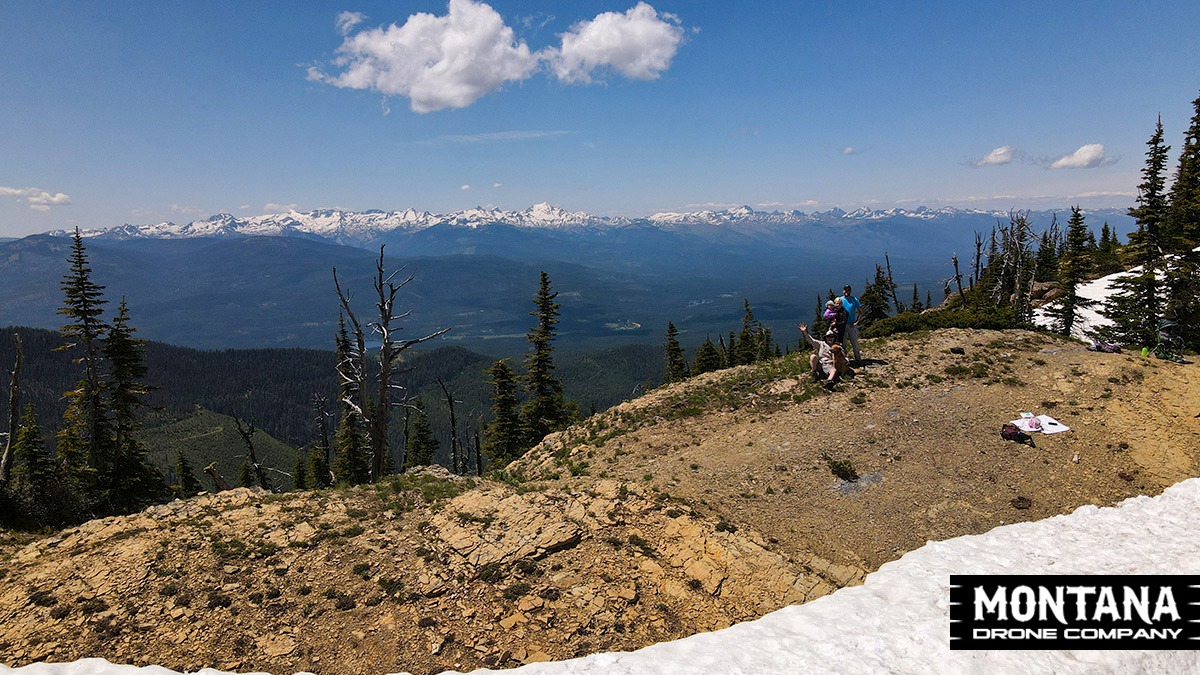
x,y
823,361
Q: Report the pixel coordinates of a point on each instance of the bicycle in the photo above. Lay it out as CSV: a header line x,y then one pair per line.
x,y
1169,346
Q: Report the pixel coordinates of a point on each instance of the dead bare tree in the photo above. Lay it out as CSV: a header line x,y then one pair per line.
x,y
14,407
892,285
217,479
352,367
958,280
457,463
976,270
247,434
478,454
375,413
321,413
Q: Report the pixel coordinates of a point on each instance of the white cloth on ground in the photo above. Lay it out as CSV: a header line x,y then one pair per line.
x,y
1049,425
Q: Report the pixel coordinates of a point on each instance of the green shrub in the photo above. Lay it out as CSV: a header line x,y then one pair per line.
x,y
840,468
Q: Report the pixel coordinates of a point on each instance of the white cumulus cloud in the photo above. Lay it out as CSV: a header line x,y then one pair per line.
x,y
464,188
37,198
451,61
1001,155
437,62
272,207
1088,156
638,44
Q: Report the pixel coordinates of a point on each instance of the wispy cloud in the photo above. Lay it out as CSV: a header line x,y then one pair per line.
x,y
998,157
850,150
464,188
497,186
501,136
451,61
1088,156
272,207
185,210
37,198
346,21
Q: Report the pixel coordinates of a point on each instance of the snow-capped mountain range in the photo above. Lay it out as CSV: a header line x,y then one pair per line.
x,y
358,228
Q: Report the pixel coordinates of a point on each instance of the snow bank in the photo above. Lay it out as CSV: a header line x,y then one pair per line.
x,y
898,620
1089,318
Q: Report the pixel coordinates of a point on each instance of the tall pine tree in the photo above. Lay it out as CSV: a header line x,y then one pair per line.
x,y
1134,307
1074,269
134,482
502,437
676,368
1183,272
545,409
186,483
708,358
84,439
422,446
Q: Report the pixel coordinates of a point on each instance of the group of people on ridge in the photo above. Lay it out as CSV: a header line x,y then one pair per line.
x,y
829,361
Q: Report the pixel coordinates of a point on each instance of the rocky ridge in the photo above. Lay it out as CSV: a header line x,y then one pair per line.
x,y
704,503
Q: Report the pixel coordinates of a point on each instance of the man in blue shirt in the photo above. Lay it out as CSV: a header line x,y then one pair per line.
x,y
851,305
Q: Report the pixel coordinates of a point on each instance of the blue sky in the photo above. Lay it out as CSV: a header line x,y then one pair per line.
x,y
140,112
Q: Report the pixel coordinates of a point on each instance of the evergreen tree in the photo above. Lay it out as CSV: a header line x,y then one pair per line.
x,y
1134,306
300,473
502,438
1183,272
1147,244
1074,269
676,368
819,325
187,485
874,299
31,463
351,463
1047,257
708,358
246,476
422,446
134,483
85,443
753,341
1108,258
545,409
33,486
916,305
1183,218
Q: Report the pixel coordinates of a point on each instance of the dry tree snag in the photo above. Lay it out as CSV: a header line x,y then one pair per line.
x,y
375,413
217,479
14,404
247,434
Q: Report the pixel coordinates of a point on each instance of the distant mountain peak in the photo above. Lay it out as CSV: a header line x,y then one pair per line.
x,y
360,228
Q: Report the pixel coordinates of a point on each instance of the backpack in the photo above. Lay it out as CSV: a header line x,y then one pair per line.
x,y
1010,432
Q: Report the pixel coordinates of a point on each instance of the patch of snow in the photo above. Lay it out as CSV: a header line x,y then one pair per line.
x,y
898,620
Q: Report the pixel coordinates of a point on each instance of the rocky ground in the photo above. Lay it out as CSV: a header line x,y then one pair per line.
x,y
702,504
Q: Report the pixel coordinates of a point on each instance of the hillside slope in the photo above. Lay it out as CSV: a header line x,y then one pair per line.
x,y
700,505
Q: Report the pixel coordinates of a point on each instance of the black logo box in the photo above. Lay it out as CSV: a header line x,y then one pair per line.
x,y
994,612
